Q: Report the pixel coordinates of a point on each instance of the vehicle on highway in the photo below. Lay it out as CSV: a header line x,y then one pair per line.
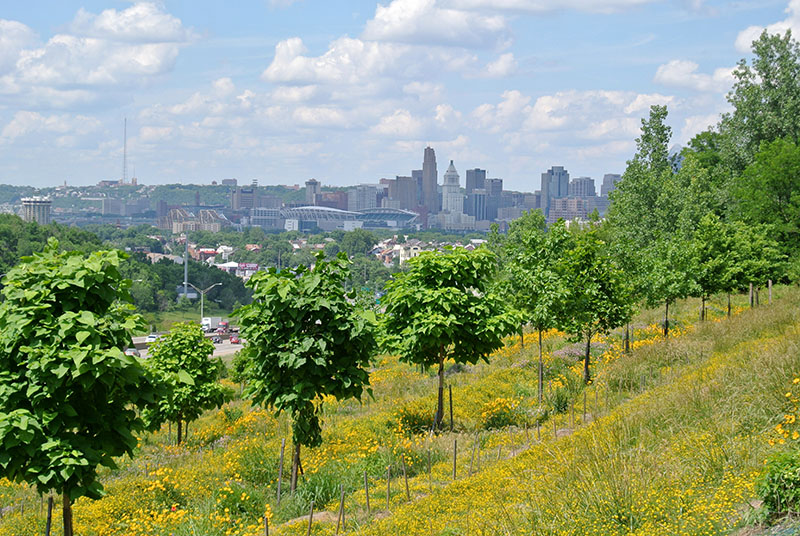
x,y
235,339
153,337
216,340
132,351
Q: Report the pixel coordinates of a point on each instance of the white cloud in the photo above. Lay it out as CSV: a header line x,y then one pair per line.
x,y
682,73
792,22
320,116
695,124
14,37
26,122
507,115
154,134
503,66
447,116
642,103
424,90
424,22
294,93
143,22
114,48
400,124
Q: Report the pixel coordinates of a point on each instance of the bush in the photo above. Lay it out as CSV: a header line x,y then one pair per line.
x,y
501,412
779,485
412,419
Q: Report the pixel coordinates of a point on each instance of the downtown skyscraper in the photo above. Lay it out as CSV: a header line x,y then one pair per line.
x,y
430,178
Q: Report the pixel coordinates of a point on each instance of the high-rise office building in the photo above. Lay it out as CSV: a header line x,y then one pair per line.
x,y
582,187
36,209
476,204
610,181
362,197
402,193
475,179
430,178
494,197
313,187
452,199
555,184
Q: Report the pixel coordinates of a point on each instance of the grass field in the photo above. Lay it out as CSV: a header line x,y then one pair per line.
x,y
673,436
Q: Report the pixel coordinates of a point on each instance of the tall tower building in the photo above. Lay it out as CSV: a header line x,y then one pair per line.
x,y
475,179
430,178
610,181
36,209
582,187
452,199
555,184
312,191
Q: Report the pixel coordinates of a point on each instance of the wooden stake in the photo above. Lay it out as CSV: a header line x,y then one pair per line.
x,y
584,407
538,431
430,479
472,459
751,295
769,286
340,516
405,478
310,518
280,469
266,526
366,491
572,415
455,453
388,484
555,435
450,388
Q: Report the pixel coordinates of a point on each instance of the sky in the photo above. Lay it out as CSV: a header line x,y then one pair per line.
x,y
350,92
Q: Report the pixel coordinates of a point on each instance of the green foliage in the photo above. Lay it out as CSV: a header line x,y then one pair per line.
x,y
442,308
769,190
766,100
67,391
779,485
531,283
358,242
181,361
305,340
598,300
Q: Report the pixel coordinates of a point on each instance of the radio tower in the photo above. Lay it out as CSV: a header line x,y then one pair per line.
x,y
125,152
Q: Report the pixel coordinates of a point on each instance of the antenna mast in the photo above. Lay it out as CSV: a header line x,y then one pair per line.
x,y
125,153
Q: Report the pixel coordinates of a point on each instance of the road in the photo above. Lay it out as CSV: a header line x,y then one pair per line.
x,y
222,349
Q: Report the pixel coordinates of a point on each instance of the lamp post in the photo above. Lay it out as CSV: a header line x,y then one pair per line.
x,y
202,297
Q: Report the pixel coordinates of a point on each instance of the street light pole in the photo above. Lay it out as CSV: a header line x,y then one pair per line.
x,y
202,297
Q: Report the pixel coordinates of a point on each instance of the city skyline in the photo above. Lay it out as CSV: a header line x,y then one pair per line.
x,y
347,93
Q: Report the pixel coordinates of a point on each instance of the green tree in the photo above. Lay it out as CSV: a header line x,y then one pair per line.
x,y
669,273
441,308
765,98
358,242
598,299
68,392
181,359
769,190
305,339
532,284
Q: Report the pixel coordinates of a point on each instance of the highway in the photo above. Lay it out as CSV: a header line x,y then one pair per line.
x,y
222,349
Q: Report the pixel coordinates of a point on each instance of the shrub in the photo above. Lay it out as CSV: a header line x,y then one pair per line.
x,y
779,485
501,412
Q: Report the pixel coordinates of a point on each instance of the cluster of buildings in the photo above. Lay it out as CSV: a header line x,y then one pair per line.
x,y
414,201
480,203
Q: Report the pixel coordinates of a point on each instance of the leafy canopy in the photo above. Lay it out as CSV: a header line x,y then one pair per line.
x,y
441,307
181,361
305,340
67,390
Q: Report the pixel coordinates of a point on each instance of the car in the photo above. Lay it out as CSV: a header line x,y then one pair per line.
x,y
216,340
235,339
153,337
132,351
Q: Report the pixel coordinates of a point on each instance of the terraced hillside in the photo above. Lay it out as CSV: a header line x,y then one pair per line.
x,y
667,440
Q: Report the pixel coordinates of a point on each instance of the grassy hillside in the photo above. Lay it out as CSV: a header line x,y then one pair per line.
x,y
673,436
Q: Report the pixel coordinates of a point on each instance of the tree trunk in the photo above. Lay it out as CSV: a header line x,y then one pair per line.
x,y
627,345
666,320
541,369
522,335
702,308
586,377
180,430
729,304
67,514
295,465
437,424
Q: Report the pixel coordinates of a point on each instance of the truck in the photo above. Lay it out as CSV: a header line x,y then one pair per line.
x,y
210,323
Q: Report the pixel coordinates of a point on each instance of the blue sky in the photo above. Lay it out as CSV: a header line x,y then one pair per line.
x,y
350,92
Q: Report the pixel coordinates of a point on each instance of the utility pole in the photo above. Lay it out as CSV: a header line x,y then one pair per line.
x,y
186,266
